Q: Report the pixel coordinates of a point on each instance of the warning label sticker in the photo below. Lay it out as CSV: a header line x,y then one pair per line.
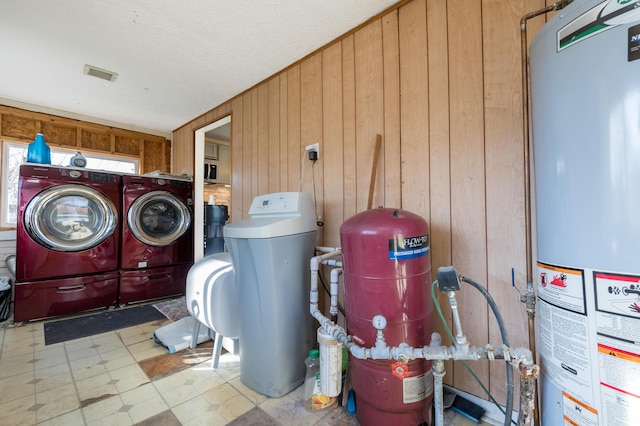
x,y
403,248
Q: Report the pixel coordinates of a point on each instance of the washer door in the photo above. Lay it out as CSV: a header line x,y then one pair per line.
x,y
70,218
158,218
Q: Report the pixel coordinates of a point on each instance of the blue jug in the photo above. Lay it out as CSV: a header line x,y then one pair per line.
x,y
38,151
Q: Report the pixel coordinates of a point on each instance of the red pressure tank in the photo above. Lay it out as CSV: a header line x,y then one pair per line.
x,y
386,270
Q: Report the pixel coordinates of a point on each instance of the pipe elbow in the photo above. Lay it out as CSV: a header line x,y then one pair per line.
x,y
314,263
358,351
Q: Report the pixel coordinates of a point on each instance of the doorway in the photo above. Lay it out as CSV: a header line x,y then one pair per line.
x,y
217,133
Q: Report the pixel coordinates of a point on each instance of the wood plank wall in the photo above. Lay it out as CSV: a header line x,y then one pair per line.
x,y
440,80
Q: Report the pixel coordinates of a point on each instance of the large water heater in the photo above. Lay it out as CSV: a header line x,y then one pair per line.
x,y
386,271
585,98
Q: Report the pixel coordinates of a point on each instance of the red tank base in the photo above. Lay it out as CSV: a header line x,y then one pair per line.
x,y
368,415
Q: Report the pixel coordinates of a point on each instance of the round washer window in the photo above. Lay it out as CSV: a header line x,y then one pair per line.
x,y
70,218
158,218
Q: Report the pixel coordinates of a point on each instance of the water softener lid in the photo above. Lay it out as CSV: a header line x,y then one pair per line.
x,y
276,215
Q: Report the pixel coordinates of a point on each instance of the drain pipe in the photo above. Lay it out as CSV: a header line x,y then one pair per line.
x,y
529,298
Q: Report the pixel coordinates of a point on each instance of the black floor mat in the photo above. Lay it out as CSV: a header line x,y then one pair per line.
x,y
75,328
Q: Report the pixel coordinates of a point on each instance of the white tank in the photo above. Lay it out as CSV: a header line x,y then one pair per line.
x,y
585,103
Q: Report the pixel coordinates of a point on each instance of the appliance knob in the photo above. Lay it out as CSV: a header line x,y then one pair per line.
x,y
162,182
75,173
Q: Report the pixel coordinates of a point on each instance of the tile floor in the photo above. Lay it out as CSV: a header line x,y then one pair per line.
x,y
123,378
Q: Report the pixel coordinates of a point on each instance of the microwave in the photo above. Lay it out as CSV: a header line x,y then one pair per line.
x,y
210,170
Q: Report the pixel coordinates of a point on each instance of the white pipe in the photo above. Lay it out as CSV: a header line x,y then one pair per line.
x,y
335,276
314,266
322,249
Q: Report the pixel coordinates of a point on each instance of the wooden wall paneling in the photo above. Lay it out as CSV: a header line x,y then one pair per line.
x,y
349,166
414,87
274,155
263,139
255,153
311,130
243,197
182,152
504,173
283,130
294,145
468,217
332,146
369,111
391,76
439,158
446,164
237,146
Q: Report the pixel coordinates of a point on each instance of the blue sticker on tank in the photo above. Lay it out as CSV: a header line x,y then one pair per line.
x,y
403,248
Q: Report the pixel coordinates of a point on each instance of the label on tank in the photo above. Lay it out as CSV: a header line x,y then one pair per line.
x,y
604,16
562,287
590,358
402,248
417,388
634,43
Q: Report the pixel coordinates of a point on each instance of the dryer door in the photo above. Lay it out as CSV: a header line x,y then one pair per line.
x,y
70,218
158,218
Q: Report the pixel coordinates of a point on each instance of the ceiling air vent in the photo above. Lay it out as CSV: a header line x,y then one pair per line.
x,y
100,73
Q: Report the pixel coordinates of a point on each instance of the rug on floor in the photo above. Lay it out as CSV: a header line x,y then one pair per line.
x,y
89,325
173,309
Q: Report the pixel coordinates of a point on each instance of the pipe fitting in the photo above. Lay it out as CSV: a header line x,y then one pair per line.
x,y
403,353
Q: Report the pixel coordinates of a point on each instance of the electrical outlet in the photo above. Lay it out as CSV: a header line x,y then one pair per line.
x,y
314,147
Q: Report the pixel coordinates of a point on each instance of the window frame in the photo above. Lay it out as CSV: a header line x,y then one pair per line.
x,y
7,176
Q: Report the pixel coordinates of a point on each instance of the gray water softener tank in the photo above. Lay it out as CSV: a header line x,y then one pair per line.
x,y
270,253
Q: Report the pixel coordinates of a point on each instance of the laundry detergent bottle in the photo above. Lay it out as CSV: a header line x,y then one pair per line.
x,y
38,151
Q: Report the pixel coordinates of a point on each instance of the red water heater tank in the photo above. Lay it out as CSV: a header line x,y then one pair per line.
x,y
386,270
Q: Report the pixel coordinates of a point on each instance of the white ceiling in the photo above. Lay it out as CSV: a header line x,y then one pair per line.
x,y
175,59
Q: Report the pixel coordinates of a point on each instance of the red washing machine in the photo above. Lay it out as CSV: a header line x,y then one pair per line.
x,y
157,237
67,241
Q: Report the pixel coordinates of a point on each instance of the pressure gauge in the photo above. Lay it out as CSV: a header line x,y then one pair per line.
x,y
379,322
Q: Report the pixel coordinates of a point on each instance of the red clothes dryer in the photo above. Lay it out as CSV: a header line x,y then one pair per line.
x,y
68,227
157,237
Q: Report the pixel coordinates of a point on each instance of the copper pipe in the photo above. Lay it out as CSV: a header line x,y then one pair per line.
x,y
529,299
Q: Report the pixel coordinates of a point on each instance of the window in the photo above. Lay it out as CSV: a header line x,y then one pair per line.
x,y
14,154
